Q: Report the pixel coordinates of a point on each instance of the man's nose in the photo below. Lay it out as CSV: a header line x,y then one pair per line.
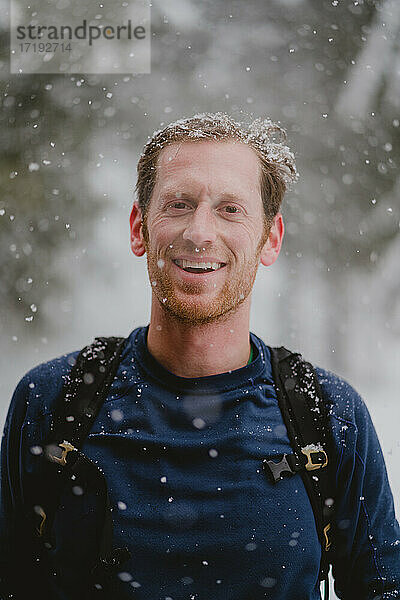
x,y
201,228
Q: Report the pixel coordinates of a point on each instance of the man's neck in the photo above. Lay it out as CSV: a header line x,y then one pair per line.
x,y
191,350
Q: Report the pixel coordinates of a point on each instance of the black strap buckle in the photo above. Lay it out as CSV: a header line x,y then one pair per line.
x,y
288,465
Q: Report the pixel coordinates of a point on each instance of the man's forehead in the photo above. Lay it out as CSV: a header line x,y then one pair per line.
x,y
200,155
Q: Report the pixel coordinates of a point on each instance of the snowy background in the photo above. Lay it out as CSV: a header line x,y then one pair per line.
x,y
329,71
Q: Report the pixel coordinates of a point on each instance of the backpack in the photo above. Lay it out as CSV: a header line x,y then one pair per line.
x,y
303,410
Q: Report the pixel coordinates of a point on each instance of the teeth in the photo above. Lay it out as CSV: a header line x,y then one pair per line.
x,y
198,265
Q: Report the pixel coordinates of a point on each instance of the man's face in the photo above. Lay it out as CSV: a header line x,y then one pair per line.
x,y
204,228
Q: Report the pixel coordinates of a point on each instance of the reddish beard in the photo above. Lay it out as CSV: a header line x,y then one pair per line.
x,y
191,308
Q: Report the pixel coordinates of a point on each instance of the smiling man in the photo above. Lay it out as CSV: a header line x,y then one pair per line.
x,y
205,233
193,461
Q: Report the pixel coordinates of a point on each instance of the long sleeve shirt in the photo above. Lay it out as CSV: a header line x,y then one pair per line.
x,y
183,462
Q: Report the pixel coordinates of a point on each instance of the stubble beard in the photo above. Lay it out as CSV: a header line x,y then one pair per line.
x,y
191,312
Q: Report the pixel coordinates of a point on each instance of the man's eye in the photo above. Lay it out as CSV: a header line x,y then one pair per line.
x,y
178,205
231,209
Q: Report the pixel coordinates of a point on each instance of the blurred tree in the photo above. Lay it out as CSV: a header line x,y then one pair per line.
x,y
42,181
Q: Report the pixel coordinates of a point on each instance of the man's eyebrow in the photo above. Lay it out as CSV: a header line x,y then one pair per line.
x,y
170,195
230,197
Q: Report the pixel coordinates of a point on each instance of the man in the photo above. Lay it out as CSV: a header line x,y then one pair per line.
x,y
192,411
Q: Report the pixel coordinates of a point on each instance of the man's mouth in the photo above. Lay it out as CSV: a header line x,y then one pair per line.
x,y
193,266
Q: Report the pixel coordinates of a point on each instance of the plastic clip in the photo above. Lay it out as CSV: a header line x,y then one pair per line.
x,y
317,458
288,465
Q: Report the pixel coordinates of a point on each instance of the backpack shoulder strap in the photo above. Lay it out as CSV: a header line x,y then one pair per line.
x,y
85,390
80,401
307,422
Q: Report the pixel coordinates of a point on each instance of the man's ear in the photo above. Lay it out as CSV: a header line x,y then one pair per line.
x,y
272,246
135,220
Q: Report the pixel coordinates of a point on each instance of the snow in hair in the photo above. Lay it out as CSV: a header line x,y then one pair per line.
x,y
262,134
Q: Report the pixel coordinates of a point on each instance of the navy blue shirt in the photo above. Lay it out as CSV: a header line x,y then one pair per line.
x,y
183,462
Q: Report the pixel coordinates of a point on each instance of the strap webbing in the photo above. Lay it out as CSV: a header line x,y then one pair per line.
x,y
305,416
80,401
86,389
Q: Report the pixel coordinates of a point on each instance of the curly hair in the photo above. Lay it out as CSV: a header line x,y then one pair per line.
x,y
277,162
